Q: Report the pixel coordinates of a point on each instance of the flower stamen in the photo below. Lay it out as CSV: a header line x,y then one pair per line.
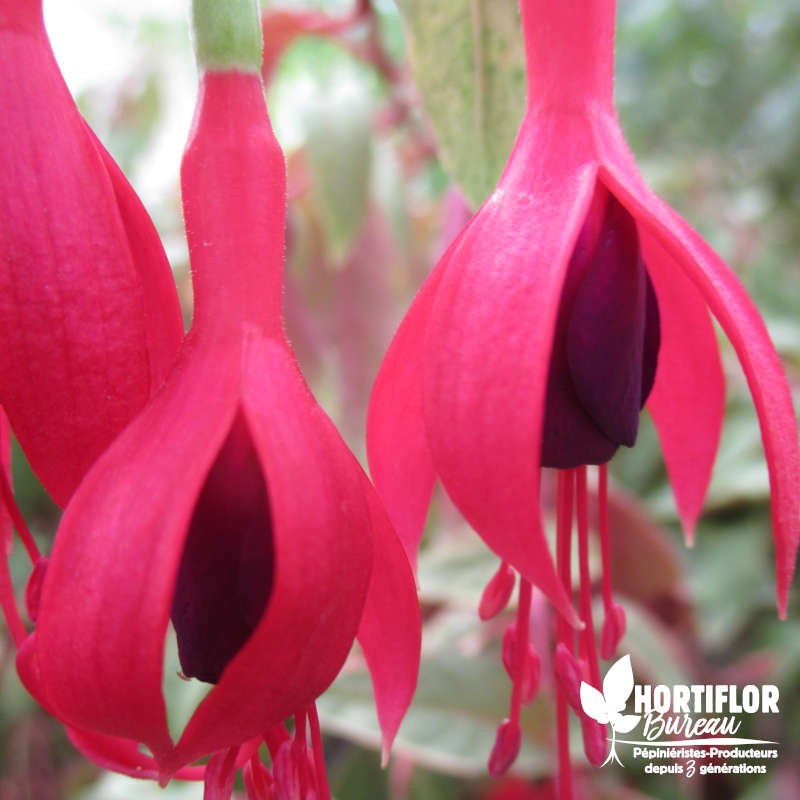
x,y
323,792
564,631
614,622
10,503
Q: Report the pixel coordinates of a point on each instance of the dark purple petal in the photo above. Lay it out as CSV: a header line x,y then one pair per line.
x,y
606,342
570,437
225,577
652,340
605,337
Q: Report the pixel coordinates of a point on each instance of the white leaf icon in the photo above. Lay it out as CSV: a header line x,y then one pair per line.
x,y
593,703
617,685
625,723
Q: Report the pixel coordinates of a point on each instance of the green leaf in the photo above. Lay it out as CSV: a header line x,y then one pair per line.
x,y
729,577
456,571
468,60
358,776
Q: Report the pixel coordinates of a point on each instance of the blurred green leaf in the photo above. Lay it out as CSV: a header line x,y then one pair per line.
x,y
427,785
338,140
456,571
730,577
359,777
461,698
469,64
658,655
119,787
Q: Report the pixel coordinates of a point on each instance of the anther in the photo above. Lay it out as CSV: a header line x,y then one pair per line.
x,y
531,674
506,748
595,744
497,592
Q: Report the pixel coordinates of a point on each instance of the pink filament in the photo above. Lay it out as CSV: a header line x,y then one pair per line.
x,y
588,643
8,601
299,748
605,546
564,631
274,738
323,792
17,518
521,651
8,605
256,780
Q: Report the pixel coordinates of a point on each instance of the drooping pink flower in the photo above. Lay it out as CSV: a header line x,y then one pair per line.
x,y
230,507
572,298
89,315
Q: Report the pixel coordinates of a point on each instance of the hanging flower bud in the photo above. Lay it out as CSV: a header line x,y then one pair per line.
x,y
88,307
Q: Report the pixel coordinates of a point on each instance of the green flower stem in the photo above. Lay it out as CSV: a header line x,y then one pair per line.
x,y
227,34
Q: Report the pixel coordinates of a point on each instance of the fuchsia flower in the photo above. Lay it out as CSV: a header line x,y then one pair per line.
x,y
89,316
231,507
572,298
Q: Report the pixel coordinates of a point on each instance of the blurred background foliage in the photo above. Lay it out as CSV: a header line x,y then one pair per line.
x,y
709,97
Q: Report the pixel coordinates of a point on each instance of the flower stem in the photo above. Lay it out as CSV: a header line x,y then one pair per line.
x,y
569,49
227,34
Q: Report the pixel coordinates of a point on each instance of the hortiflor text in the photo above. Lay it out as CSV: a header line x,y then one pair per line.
x,y
706,699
